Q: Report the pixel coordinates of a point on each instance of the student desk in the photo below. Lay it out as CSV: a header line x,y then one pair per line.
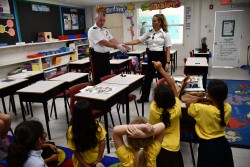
x,y
117,64
104,101
198,66
79,64
71,79
133,82
9,87
32,76
206,55
41,92
137,53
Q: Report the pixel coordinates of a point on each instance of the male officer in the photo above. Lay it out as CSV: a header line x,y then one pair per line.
x,y
100,42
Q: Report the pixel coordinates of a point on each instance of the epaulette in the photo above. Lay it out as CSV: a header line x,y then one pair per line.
x,y
151,30
94,27
105,27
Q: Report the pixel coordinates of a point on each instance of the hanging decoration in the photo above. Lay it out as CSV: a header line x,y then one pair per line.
x,y
129,13
127,10
160,5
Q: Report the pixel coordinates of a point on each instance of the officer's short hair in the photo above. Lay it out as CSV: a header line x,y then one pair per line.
x,y
100,14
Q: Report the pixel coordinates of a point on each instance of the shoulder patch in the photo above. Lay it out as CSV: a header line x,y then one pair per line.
x,y
94,27
151,30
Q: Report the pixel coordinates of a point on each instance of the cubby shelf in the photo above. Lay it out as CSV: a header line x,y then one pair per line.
x,y
39,43
2,64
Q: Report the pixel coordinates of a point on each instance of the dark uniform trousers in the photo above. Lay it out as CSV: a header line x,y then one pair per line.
x,y
100,66
152,56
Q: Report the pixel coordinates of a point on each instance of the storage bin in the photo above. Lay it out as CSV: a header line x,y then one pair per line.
x,y
84,35
50,72
35,67
35,55
72,37
78,36
63,37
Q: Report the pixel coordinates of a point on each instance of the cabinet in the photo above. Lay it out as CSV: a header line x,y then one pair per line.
x,y
14,56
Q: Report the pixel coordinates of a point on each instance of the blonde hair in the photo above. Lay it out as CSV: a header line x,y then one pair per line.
x,y
140,145
163,20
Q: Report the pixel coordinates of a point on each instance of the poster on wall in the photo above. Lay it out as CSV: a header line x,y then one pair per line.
x,y
67,21
228,28
74,21
40,8
4,6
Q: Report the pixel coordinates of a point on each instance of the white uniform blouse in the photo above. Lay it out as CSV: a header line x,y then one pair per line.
x,y
95,35
156,40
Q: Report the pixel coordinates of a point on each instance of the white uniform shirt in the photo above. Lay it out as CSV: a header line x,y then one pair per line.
x,y
95,35
156,40
35,159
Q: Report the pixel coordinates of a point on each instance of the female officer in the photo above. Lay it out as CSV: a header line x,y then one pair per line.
x,y
158,49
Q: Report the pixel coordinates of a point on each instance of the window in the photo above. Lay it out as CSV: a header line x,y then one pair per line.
x,y
175,19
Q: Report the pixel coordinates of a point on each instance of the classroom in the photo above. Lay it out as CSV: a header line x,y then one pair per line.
x,y
51,56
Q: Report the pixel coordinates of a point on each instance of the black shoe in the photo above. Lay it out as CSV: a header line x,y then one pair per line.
x,y
140,100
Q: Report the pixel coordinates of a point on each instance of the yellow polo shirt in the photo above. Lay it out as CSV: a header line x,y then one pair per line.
x,y
208,120
171,141
89,156
126,154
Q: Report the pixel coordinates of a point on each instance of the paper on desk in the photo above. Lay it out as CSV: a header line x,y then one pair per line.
x,y
98,89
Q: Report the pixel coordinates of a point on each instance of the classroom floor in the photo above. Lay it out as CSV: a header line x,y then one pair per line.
x,y
58,127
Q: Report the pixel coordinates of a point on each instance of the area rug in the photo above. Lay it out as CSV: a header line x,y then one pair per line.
x,y
65,158
238,129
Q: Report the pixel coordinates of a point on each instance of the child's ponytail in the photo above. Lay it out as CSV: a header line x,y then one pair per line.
x,y
222,113
17,155
217,91
141,158
165,117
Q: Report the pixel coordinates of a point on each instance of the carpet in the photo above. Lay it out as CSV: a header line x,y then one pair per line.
x,y
238,129
65,155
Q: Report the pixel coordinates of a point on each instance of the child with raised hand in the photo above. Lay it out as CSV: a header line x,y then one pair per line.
x,y
212,115
166,108
144,142
86,136
26,149
5,121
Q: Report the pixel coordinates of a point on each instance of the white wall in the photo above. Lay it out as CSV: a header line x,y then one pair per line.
x,y
202,26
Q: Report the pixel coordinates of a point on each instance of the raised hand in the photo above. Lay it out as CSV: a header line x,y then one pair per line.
x,y
157,65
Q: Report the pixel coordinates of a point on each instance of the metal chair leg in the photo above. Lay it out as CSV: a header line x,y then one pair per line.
x,y
136,108
112,119
118,111
11,131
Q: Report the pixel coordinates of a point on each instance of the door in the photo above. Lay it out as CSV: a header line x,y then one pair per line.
x,y
227,37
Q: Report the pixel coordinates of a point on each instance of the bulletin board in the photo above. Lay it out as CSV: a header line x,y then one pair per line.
x,y
8,28
73,20
37,17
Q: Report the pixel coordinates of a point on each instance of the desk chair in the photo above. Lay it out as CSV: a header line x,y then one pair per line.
x,y
60,95
122,101
76,89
